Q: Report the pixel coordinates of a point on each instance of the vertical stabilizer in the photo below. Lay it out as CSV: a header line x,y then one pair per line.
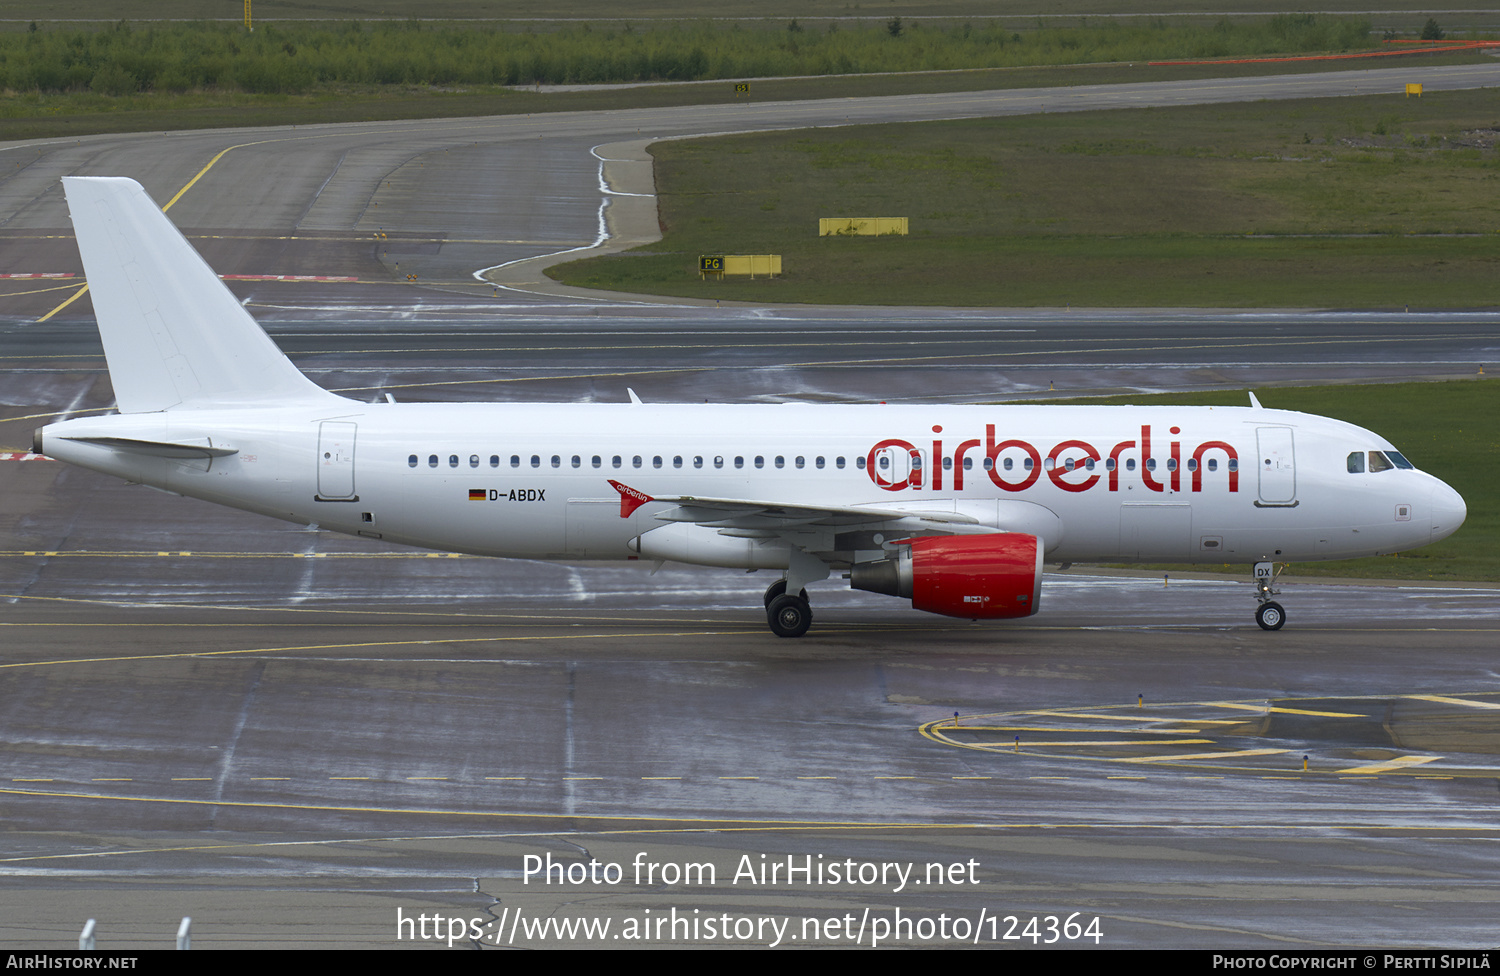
x,y
173,333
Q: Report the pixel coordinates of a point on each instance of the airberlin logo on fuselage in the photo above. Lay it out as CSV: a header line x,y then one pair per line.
x,y
899,465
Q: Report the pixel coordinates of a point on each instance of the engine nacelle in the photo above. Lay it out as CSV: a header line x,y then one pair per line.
x,y
981,577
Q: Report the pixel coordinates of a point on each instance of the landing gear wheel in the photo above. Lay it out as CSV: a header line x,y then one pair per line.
x,y
776,589
789,616
1270,616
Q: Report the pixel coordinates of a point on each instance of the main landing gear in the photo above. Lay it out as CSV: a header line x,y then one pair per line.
x,y
788,616
1269,614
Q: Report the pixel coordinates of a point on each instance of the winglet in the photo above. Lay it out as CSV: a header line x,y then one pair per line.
x,y
630,499
1254,402
634,400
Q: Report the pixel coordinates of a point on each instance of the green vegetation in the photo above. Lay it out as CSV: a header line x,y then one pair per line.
x,y
295,58
495,10
38,116
1450,429
123,76
1362,202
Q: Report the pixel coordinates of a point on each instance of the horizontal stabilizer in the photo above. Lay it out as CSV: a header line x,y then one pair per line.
x,y
173,333
167,449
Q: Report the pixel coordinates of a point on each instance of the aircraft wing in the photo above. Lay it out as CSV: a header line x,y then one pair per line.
x,y
754,518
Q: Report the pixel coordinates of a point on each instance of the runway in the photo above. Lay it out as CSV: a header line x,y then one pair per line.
x,y
301,739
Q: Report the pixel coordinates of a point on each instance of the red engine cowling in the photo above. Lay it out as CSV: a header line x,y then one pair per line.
x,y
981,577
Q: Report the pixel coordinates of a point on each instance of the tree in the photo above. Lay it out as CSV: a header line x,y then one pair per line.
x,y
893,27
1431,31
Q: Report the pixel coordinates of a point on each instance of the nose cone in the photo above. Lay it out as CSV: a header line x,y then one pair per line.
x,y
1448,511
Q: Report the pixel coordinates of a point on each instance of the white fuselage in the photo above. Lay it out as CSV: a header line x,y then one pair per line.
x,y
1181,484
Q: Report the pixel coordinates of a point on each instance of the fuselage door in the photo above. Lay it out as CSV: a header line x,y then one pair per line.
x,y
1278,473
336,460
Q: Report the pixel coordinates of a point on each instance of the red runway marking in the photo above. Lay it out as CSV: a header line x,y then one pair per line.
x,y
246,277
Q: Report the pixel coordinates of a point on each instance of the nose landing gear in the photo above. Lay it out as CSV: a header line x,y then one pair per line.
x,y
1269,614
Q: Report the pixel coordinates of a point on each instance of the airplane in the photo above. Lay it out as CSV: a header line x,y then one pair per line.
x,y
954,508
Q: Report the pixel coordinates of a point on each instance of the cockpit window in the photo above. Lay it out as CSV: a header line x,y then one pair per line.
x,y
1357,462
1399,460
1378,462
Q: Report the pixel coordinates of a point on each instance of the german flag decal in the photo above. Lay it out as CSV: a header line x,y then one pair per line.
x,y
477,494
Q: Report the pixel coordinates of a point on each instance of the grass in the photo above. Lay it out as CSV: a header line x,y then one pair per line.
x,y
62,80
297,57
1370,202
44,116
1450,429
1023,11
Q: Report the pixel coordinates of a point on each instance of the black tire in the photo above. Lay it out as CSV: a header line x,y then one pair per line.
x,y
776,589
789,616
1270,616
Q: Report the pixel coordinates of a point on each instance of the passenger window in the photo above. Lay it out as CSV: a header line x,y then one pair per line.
x,y
1356,462
411,462
698,461
636,461
536,460
473,460
1192,464
598,461
780,461
1234,464
1109,465
556,461
799,462
739,462
1130,464
656,461
1171,464
453,460
1213,464
577,461
760,461
432,460
968,464
819,462
515,460
677,461
494,460
718,460
859,462
617,461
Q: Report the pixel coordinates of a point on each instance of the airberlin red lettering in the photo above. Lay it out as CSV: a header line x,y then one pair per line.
x,y
898,465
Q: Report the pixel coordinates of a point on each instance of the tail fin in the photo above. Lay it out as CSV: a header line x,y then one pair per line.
x,y
173,333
